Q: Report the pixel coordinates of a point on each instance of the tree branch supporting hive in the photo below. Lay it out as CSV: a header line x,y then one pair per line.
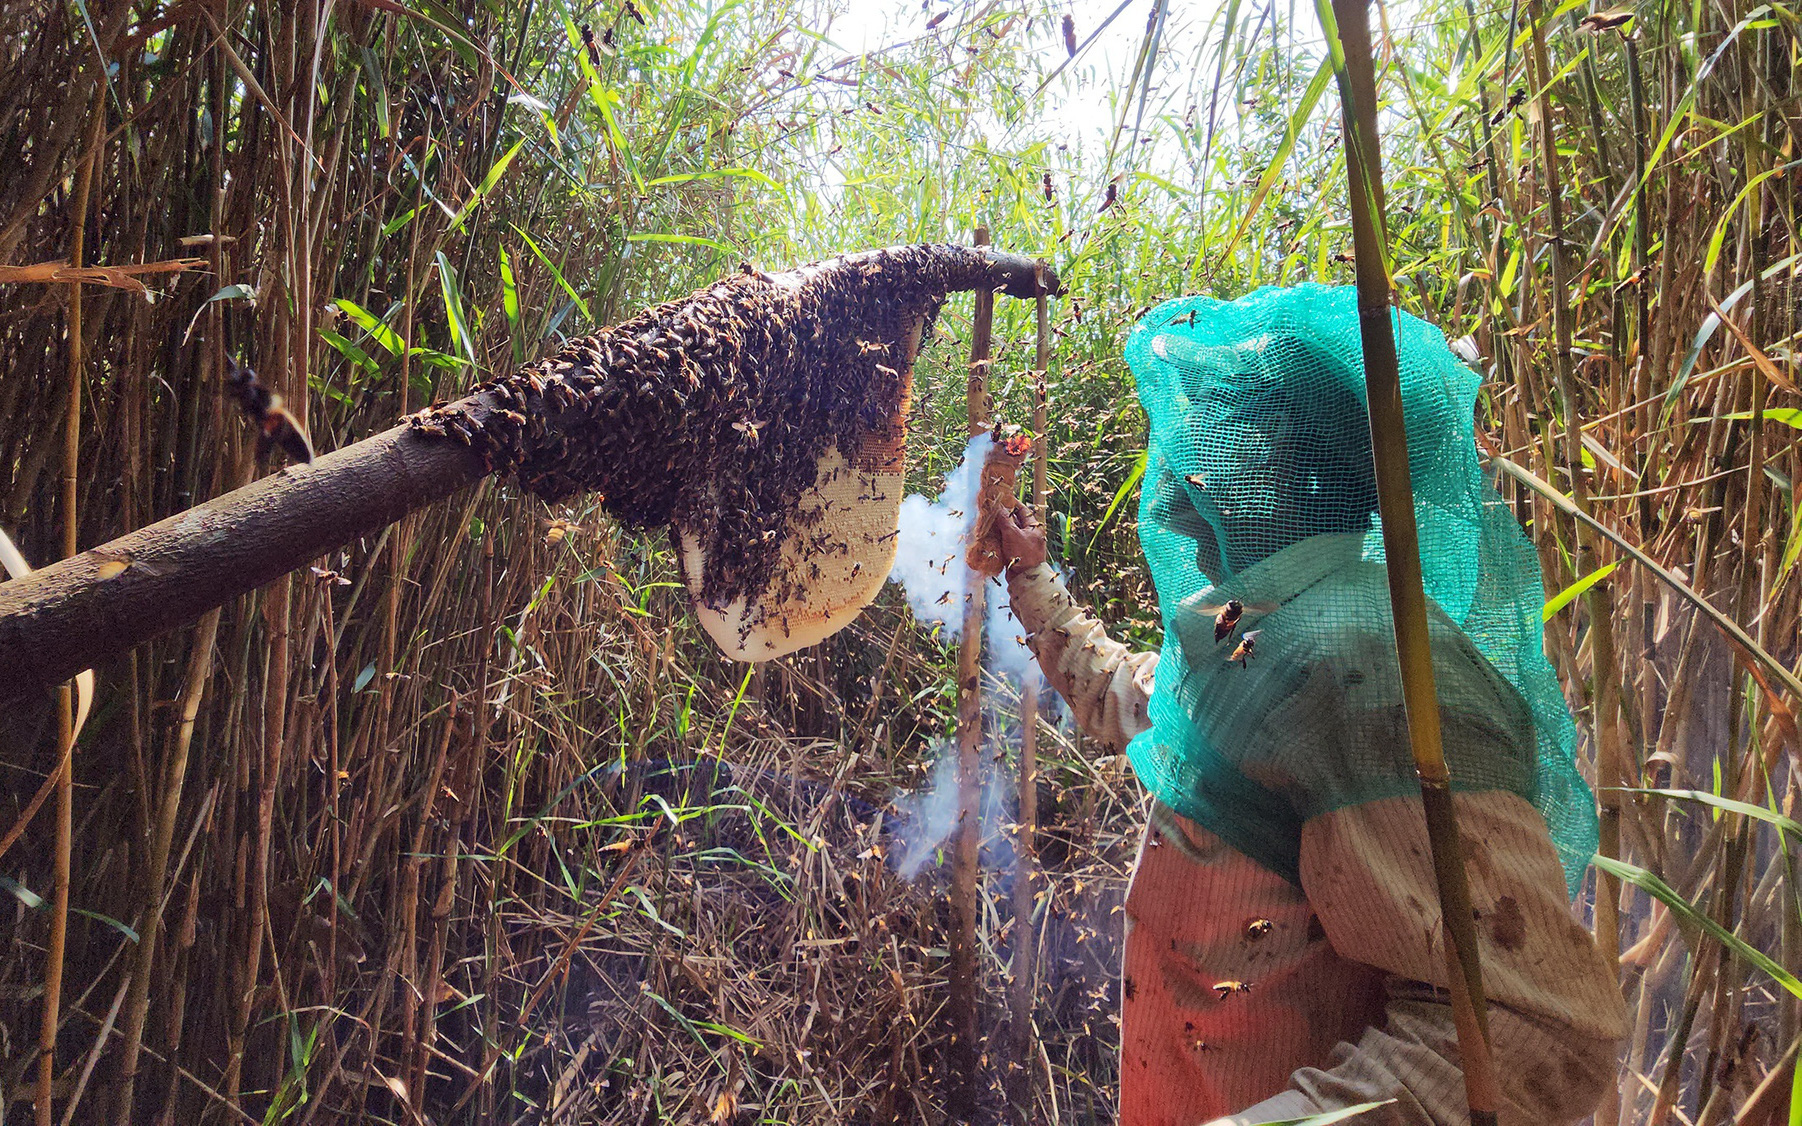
x,y
710,412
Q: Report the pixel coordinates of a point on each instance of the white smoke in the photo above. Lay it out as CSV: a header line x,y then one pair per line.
x,y
929,565
929,816
929,549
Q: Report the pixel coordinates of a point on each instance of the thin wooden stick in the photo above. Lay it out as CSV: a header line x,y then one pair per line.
x,y
1609,749
961,1088
65,693
1401,545
1025,857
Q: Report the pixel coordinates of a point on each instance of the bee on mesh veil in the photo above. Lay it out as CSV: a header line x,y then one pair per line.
x,y
1259,521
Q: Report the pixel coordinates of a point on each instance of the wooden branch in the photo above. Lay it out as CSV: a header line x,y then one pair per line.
x,y
92,607
963,1005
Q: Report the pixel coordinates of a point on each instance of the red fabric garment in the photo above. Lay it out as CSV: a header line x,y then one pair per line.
x,y
1201,919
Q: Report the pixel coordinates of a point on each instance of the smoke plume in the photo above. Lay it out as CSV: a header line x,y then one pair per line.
x,y
929,565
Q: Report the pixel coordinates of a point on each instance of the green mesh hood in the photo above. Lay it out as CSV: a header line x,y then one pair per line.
x,y
1258,489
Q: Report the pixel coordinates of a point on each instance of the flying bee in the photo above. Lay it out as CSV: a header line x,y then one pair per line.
x,y
594,50
555,531
275,426
1227,616
1242,651
1228,988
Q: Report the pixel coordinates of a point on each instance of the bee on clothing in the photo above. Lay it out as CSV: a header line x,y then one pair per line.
x,y
1242,651
1228,988
275,426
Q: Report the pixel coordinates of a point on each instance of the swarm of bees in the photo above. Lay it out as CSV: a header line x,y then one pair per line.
x,y
712,412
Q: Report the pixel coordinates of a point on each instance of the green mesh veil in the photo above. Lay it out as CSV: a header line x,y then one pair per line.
x,y
1258,494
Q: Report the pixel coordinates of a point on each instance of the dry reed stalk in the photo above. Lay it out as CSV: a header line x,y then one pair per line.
x,y
1609,748
1021,1061
963,1076
65,693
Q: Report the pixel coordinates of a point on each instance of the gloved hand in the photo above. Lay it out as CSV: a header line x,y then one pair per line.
x,y
1022,537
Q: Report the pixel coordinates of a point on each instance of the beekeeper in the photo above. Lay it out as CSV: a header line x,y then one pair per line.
x,y
1283,950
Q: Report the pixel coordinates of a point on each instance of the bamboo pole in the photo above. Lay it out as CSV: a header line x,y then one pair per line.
x,y
65,692
1395,498
1600,600
1025,856
961,1089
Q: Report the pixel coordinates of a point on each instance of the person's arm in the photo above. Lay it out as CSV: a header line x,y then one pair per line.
x,y
1106,684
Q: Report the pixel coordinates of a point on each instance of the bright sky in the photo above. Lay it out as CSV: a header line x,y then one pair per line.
x,y
1075,107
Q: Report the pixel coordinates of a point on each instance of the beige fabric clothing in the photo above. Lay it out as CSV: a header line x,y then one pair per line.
x,y
1346,1001
1106,684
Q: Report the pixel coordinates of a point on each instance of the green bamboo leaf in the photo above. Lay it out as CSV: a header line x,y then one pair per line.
x,y
510,305
1119,497
378,92
558,274
1745,809
350,351
453,309
373,325
1689,914
687,240
1788,416
1710,325
498,170
1273,172
1575,590
690,177
1720,228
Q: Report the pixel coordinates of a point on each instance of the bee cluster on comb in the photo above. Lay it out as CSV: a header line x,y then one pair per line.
x,y
717,412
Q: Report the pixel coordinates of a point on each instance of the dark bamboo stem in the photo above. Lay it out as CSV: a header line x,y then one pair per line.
x,y
1395,497
960,1092
1026,857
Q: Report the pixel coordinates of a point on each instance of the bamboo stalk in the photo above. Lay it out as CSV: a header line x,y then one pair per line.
x,y
1600,601
65,693
1025,855
1395,497
961,1088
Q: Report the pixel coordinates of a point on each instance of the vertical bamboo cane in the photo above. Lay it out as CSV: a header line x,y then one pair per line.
x,y
1599,598
961,1087
65,694
1025,858
1395,498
